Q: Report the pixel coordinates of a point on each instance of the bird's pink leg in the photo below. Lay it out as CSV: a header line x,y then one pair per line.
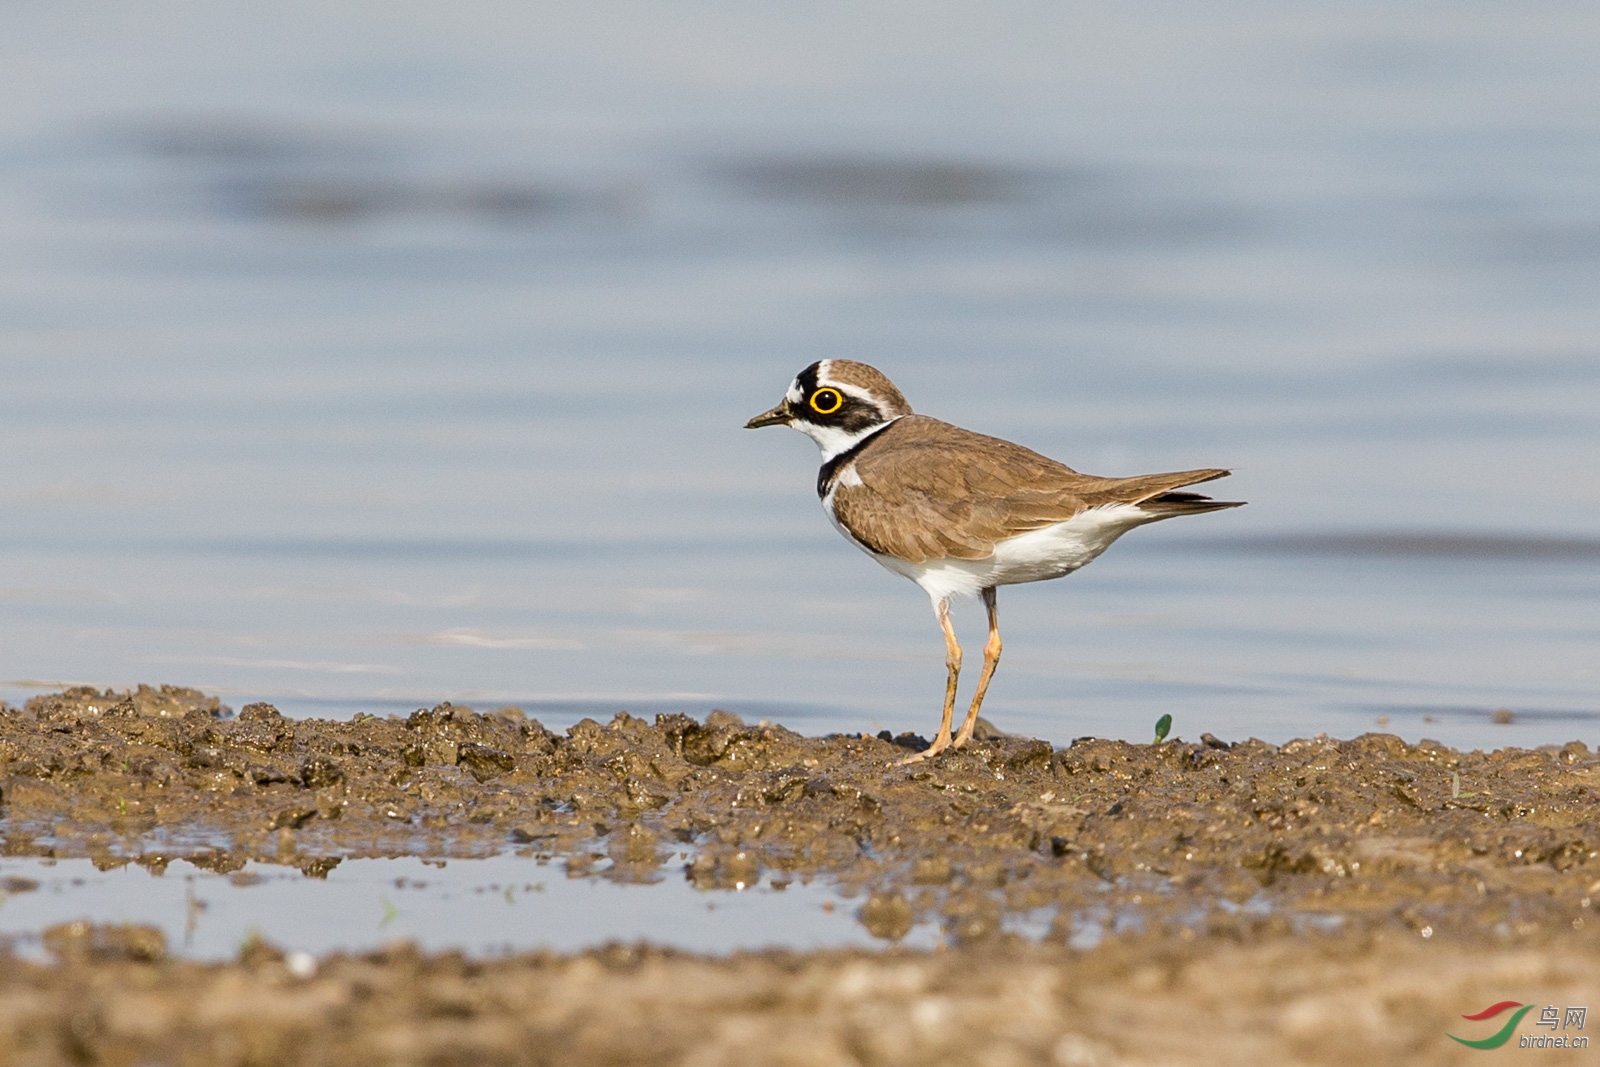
x,y
952,662
991,658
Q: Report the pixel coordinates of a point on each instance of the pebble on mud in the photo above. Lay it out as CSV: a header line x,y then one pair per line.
x,y
887,915
87,941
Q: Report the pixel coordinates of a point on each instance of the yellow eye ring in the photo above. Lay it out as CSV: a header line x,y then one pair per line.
x,y
826,401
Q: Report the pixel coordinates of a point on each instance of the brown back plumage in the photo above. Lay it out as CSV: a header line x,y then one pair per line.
x,y
931,490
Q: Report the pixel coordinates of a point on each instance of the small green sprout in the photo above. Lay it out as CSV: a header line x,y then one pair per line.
x,y
1163,727
390,912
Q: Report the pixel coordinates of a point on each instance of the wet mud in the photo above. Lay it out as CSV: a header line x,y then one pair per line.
x,y
1286,901
1275,1001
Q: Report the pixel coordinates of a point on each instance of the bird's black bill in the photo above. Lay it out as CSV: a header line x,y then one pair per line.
x,y
781,415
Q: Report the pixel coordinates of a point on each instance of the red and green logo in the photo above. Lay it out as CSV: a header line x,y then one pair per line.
x,y
1504,1034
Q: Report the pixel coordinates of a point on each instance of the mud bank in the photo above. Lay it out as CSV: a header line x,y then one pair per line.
x,y
1196,838
1205,902
1282,1001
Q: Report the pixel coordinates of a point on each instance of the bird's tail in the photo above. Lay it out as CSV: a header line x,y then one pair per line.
x,y
1161,498
1168,505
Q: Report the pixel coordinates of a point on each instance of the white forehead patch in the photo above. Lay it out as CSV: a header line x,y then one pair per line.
x,y
793,395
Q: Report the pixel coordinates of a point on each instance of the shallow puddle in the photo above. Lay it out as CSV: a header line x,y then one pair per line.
x,y
489,906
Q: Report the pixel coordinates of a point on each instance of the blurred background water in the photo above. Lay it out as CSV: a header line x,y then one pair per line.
x,y
359,356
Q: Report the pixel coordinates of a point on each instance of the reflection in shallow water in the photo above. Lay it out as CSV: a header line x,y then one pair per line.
x,y
505,904
483,907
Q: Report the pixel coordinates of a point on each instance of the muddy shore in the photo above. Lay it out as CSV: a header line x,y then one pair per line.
x,y
1211,901
1268,1001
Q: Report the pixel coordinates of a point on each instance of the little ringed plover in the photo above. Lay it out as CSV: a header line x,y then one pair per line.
x,y
958,512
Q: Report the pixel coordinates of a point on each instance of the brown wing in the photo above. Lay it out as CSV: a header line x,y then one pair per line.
x,y
930,490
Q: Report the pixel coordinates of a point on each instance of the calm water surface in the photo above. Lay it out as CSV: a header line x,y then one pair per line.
x,y
484,907
359,359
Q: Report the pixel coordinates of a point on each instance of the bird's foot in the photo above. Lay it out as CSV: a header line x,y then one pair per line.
x,y
938,746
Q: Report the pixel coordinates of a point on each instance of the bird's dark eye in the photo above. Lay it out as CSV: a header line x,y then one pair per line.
x,y
826,401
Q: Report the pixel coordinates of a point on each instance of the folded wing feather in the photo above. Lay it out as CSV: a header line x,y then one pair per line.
x,y
929,490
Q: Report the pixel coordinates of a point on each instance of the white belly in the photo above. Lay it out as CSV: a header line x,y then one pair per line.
x,y
1049,552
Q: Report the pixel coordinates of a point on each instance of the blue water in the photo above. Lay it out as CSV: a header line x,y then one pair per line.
x,y
358,358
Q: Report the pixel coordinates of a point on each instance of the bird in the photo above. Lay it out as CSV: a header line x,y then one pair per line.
x,y
958,512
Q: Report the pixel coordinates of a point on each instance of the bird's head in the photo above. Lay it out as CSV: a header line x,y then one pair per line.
x,y
836,403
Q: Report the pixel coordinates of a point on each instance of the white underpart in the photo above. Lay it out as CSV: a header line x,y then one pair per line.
x,y
1049,552
832,440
